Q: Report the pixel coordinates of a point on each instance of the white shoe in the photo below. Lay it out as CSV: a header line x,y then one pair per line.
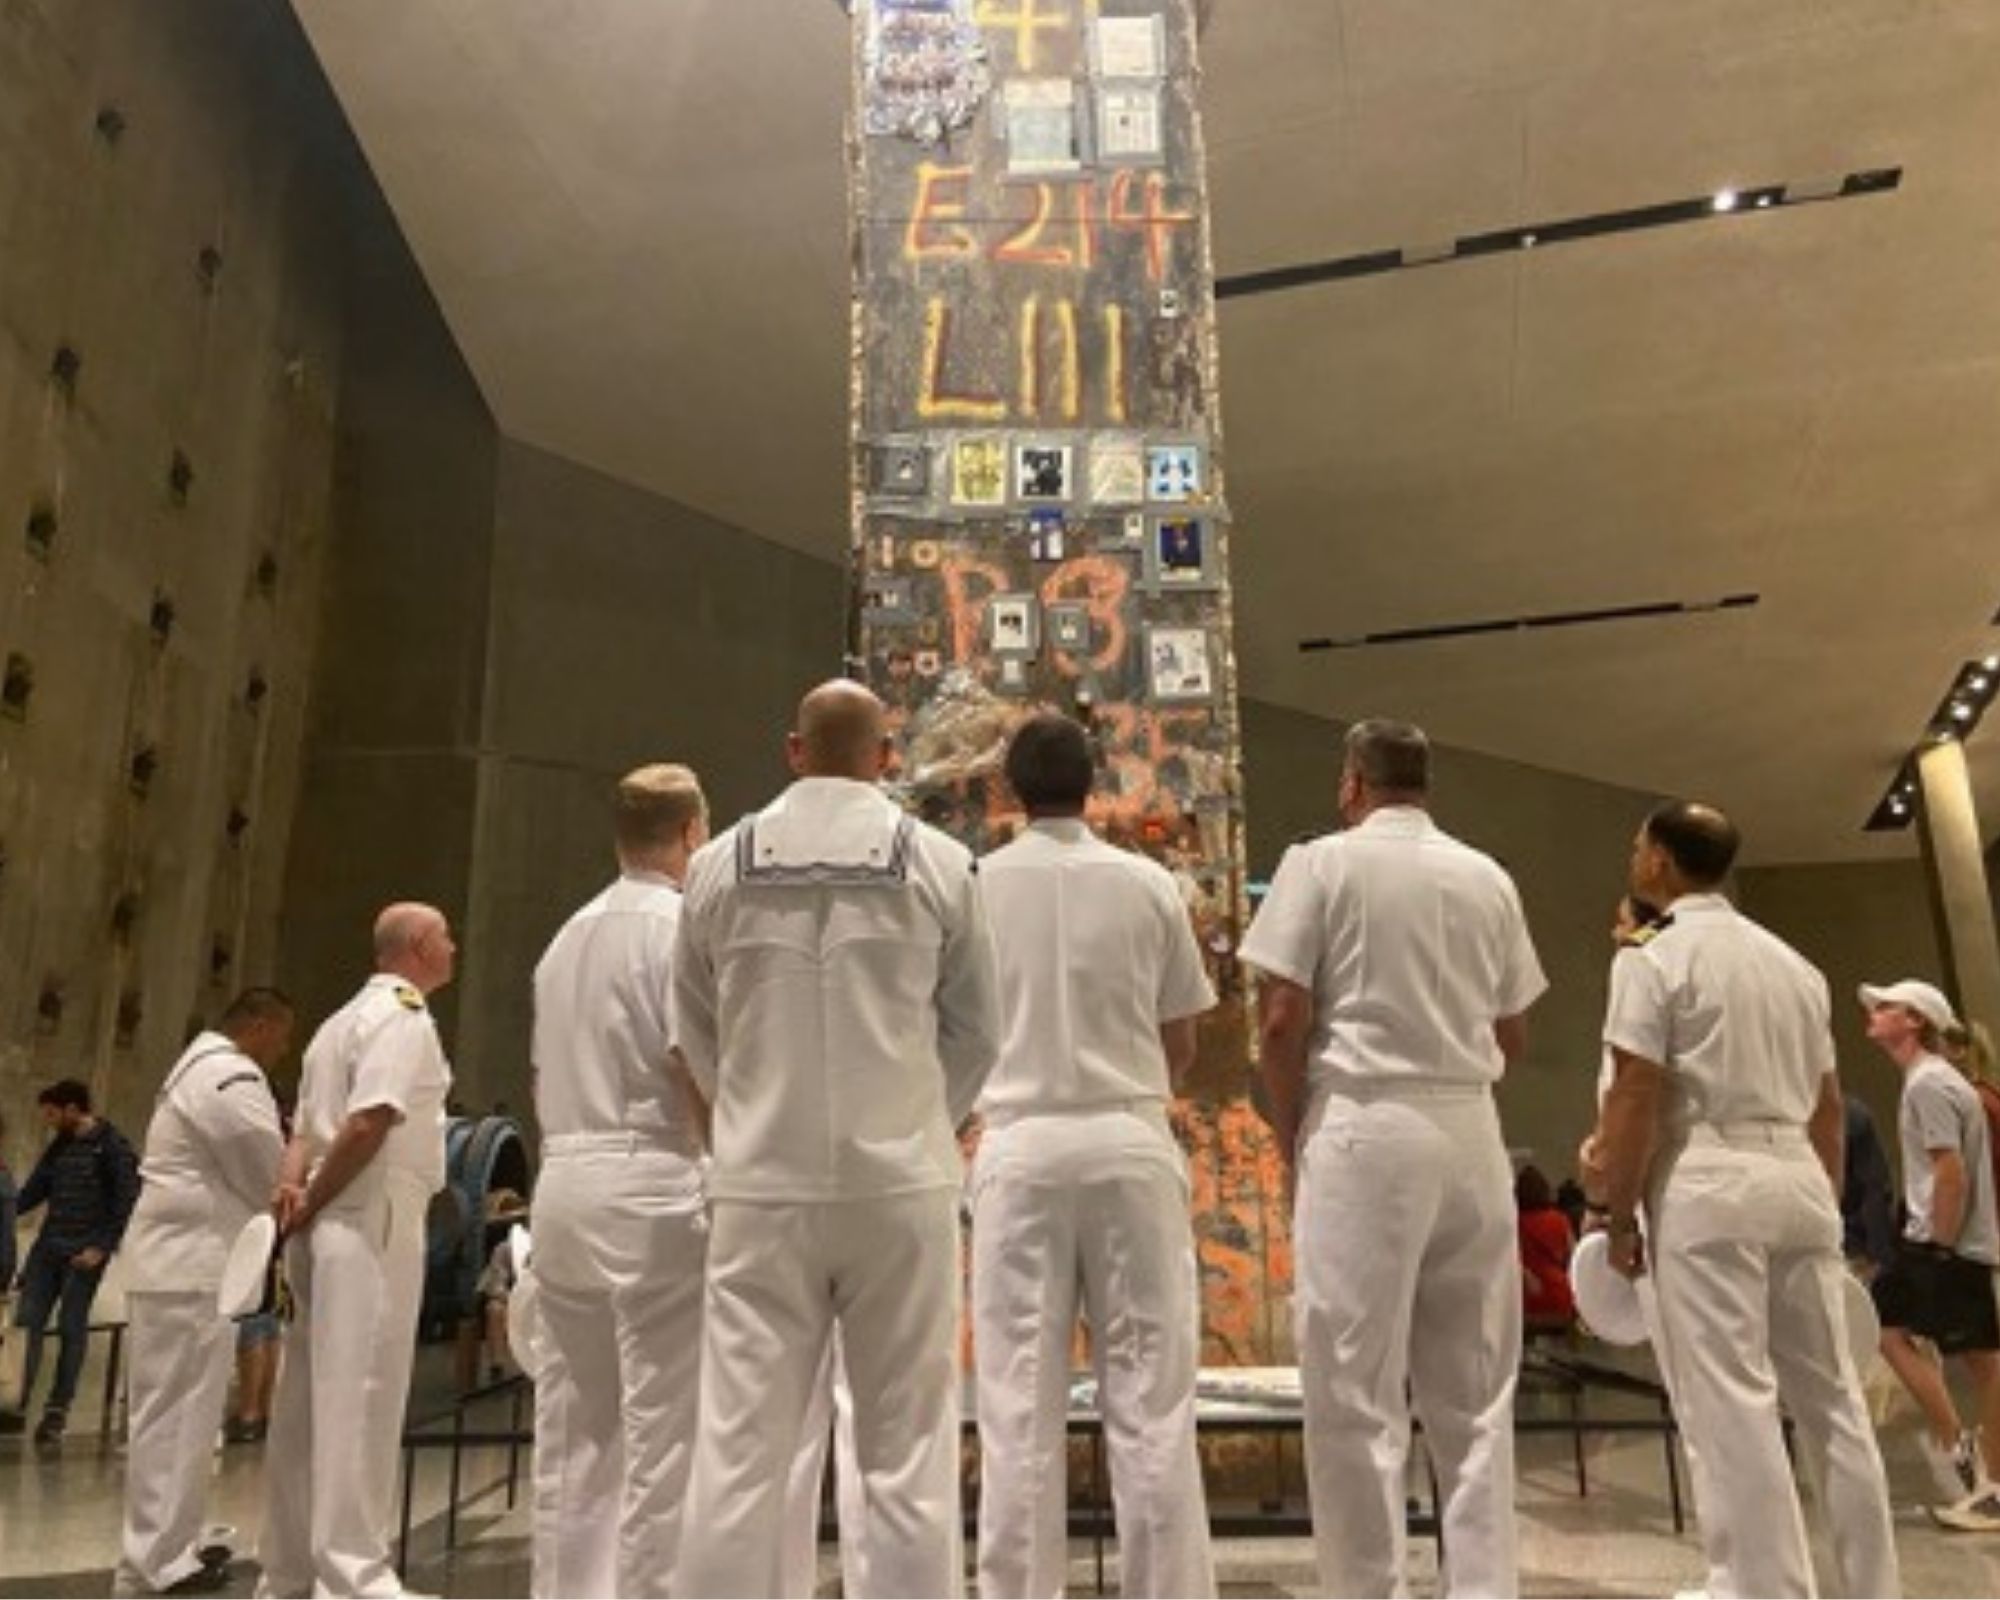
x,y
1956,1470
1977,1512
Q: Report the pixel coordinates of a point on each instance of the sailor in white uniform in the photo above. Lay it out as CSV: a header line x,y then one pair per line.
x,y
1080,1194
834,997
211,1161
1724,1118
1397,975
367,1153
621,1233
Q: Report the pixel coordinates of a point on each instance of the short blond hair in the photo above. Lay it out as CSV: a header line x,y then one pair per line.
x,y
654,805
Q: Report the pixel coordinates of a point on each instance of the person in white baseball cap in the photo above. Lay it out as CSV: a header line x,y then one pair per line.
x,y
1926,1000
1940,1286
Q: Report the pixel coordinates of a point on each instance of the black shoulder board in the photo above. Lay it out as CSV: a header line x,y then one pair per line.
x,y
235,1078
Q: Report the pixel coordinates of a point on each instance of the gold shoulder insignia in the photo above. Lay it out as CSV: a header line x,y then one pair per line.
x,y
409,998
1645,933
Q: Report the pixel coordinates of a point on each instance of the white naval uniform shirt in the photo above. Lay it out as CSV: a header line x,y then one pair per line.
x,y
1095,952
212,1153
835,998
604,1018
380,1049
1413,946
1736,1016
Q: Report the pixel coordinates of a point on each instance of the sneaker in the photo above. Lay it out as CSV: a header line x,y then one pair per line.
x,y
1955,1470
238,1431
54,1424
1965,1459
1977,1512
203,1580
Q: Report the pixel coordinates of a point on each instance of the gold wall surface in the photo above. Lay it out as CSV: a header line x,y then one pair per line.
x,y
169,336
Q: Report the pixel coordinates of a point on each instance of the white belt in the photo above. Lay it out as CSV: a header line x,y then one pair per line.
x,y
1145,1107
629,1142
1372,1089
1749,1135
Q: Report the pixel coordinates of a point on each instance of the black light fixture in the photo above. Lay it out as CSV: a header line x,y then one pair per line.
x,y
1717,205
1957,715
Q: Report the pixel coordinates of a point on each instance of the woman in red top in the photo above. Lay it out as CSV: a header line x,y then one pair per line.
x,y
1546,1242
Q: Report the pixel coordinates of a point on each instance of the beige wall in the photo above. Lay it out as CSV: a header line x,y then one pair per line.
x,y
624,628
1857,923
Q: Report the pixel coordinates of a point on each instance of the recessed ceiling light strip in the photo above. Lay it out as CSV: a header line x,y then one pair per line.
x,y
1730,202
1957,715
1524,624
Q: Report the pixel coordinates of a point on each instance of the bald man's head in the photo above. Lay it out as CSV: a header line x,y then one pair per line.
x,y
841,733
414,941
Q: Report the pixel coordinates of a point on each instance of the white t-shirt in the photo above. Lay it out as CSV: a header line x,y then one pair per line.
x,y
380,1049
1941,1111
1412,944
835,997
1095,952
604,1018
212,1154
1736,1016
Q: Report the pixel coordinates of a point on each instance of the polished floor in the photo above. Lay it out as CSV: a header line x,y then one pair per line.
x,y
59,1517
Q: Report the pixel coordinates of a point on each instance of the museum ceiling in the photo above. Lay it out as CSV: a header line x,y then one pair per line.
x,y
633,215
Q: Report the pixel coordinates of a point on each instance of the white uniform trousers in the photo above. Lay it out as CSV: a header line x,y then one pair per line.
x,y
830,1416
779,1277
357,1279
1649,1308
1409,1291
1086,1211
620,1240
180,1351
1748,1272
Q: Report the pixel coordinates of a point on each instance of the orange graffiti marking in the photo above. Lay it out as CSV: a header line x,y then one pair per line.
x,y
1023,246
940,206
1101,584
1154,219
966,604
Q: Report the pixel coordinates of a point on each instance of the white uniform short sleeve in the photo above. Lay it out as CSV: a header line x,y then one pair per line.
x,y
1184,987
693,1011
1522,982
1289,930
390,1063
244,1135
1636,1019
968,1001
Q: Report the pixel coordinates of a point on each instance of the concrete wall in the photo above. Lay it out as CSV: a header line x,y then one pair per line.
x,y
1565,840
624,628
1857,923
392,766
162,169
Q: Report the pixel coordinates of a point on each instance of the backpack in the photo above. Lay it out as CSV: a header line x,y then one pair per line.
x,y
1989,1102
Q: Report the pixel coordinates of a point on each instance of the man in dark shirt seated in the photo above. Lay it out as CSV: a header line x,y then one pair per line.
x,y
88,1179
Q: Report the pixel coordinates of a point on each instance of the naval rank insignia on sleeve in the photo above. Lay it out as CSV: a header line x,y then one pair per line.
x,y
408,998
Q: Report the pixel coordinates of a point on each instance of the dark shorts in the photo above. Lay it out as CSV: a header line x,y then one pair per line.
x,y
1945,1298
